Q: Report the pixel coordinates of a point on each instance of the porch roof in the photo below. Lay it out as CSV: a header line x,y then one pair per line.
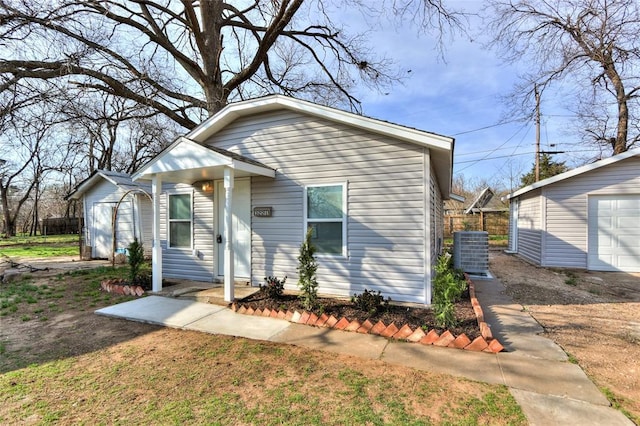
x,y
188,161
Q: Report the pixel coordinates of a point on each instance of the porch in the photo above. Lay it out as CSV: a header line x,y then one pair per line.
x,y
191,163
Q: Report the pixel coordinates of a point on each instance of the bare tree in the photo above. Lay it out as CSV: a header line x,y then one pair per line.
x,y
112,133
187,59
592,43
14,189
29,149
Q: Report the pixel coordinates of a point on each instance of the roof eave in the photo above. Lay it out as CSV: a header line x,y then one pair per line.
x,y
236,110
575,172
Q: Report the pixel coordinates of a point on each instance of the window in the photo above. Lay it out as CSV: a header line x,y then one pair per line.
x,y
325,214
180,221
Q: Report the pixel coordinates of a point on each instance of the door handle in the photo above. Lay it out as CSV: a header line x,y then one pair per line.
x,y
219,239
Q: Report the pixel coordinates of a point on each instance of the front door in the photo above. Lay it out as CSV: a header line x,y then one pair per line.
x,y
241,227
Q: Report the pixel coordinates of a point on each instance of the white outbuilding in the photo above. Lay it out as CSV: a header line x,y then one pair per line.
x,y
101,193
587,218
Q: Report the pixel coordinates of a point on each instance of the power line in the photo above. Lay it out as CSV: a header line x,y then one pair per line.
x,y
526,125
494,158
522,153
502,123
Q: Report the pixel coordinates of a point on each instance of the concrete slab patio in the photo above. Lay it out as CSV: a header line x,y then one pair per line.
x,y
549,389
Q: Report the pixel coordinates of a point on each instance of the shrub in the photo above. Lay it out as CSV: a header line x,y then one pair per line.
x,y
369,301
448,286
273,287
136,259
307,267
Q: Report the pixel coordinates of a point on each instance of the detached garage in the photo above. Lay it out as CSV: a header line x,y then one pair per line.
x,y
585,218
100,193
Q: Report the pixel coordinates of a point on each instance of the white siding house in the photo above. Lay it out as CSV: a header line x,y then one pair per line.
x,y
371,192
586,218
100,193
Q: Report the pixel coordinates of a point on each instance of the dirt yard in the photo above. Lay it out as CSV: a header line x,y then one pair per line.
x,y
61,363
593,316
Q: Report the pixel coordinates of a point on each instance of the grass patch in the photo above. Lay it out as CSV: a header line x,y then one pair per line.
x,y
572,359
39,239
28,301
571,279
245,382
39,246
618,402
39,251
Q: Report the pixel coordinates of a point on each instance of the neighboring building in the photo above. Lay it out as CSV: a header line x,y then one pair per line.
x,y
482,212
100,194
266,169
586,218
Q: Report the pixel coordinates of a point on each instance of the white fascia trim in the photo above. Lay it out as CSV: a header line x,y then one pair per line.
x,y
575,172
457,197
222,160
142,172
88,183
253,169
239,109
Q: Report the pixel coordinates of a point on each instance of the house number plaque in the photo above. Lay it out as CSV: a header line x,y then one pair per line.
x,y
262,211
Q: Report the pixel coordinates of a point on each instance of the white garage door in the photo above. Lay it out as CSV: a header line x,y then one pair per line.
x,y
614,233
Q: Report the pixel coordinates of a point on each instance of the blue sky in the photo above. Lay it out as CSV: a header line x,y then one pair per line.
x,y
459,96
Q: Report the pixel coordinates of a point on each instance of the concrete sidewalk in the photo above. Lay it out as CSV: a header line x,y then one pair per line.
x,y
550,390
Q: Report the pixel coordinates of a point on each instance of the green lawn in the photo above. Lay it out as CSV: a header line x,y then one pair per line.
x,y
62,364
39,246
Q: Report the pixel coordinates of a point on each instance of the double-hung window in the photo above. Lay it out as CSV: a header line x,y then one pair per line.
x,y
325,213
180,220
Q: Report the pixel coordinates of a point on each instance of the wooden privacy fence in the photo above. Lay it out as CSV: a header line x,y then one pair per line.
x,y
61,225
495,223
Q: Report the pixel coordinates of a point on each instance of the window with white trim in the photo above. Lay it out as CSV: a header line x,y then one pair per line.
x,y
325,213
180,221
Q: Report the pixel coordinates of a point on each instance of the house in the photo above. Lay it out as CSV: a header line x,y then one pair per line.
x,y
484,212
586,218
101,193
234,197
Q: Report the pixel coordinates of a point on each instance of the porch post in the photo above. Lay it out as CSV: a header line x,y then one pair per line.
x,y
156,253
229,273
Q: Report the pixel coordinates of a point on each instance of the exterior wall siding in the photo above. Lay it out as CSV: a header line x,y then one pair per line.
x,y
566,242
127,227
437,222
198,262
529,229
385,202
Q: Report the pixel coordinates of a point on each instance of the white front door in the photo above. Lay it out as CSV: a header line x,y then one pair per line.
x,y
614,234
241,227
101,230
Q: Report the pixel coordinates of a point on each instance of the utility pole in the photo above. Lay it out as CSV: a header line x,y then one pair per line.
x,y
535,89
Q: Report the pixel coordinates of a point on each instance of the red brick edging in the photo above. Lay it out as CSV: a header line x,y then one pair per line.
x,y
118,286
483,343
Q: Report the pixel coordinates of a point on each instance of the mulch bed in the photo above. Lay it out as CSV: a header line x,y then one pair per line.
x,y
414,317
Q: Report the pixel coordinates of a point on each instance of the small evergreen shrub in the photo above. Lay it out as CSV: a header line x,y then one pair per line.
x,y
136,260
307,267
273,287
448,286
370,302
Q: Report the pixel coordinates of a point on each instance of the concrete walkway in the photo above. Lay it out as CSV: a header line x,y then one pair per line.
x,y
550,390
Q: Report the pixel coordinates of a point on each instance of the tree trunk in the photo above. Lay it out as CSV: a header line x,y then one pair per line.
x,y
620,142
9,225
212,38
